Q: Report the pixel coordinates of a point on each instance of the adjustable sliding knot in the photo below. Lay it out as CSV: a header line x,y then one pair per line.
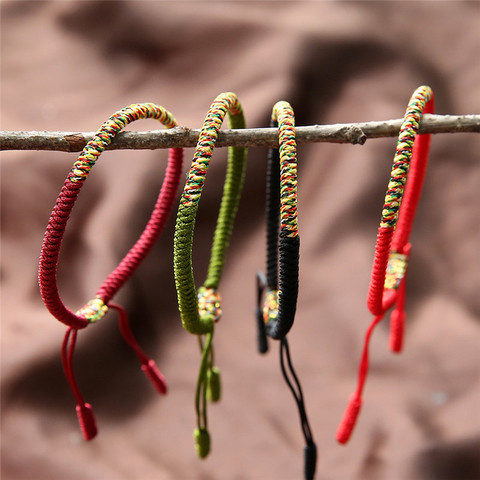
x,y
270,306
396,270
209,304
93,310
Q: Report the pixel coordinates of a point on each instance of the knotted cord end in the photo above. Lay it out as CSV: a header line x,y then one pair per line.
x,y
349,419
202,441
87,422
214,385
310,461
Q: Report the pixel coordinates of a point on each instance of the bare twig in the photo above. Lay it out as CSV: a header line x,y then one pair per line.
x,y
354,133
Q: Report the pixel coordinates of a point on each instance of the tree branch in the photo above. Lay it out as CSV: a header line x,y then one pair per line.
x,y
354,133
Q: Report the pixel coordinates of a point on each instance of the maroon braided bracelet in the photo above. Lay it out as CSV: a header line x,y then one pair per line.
x,y
95,309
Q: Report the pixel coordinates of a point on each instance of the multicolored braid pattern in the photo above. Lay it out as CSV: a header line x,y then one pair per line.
x,y
283,114
403,154
209,303
396,269
206,143
94,310
107,132
270,306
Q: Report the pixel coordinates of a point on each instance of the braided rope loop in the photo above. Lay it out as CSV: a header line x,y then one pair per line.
x,y
52,241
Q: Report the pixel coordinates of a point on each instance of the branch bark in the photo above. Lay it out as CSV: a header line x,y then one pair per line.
x,y
353,133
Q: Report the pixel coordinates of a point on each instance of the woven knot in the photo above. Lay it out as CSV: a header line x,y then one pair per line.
x,y
270,306
93,310
396,268
209,303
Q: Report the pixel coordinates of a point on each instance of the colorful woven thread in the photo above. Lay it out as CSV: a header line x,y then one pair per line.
x,y
200,310
95,309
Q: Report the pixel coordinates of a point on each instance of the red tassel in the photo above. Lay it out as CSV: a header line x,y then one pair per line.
x,y
349,419
148,365
155,376
87,422
88,425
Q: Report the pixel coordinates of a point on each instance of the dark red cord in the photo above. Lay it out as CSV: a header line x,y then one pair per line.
x,y
51,250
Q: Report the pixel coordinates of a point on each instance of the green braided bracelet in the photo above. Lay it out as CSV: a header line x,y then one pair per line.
x,y
200,310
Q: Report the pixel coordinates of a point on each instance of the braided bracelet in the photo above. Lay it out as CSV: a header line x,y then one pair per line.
x,y
95,309
201,310
276,317
387,284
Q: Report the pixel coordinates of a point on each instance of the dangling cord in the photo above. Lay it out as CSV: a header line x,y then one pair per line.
x,y
148,365
310,450
201,434
355,402
86,418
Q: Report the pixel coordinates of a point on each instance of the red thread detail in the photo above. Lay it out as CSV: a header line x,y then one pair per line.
x,y
351,413
148,365
349,419
380,261
397,320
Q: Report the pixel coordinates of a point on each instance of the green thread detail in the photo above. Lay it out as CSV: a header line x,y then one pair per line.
x,y
403,155
396,269
283,114
93,310
105,134
202,442
214,386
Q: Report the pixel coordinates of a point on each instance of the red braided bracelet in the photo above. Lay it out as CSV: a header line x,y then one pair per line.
x,y
387,284
95,309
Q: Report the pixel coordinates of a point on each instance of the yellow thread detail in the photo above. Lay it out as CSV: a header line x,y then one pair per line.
x,y
209,303
396,268
270,306
94,310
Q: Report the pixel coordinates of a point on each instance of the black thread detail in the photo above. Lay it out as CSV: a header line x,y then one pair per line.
x,y
289,248
272,210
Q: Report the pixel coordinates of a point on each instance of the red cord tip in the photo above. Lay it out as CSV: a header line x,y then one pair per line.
x,y
155,376
88,425
397,327
349,419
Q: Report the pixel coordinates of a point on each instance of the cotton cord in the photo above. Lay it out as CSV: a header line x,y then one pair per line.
x,y
387,283
96,308
280,285
200,310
